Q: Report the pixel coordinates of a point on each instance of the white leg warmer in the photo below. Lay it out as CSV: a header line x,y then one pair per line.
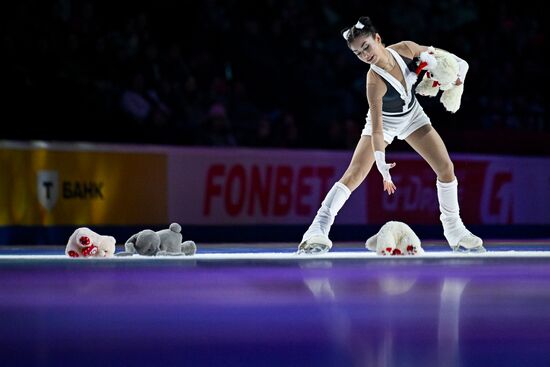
x,y
453,228
335,199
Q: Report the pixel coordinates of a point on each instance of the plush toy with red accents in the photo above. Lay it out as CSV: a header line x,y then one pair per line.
x,y
86,243
395,238
445,72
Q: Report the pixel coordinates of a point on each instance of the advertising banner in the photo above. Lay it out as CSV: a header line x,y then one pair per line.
x,y
125,185
63,187
240,186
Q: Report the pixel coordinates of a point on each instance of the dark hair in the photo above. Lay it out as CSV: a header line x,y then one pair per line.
x,y
354,32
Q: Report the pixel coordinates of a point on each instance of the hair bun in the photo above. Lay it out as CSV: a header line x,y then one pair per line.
x,y
365,21
363,27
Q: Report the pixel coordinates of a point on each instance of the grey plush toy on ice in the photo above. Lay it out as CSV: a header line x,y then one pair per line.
x,y
167,242
171,242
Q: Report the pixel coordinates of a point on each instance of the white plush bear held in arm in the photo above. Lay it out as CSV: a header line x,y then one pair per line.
x,y
443,70
395,238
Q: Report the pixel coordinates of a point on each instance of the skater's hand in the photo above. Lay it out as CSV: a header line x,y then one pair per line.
x,y
389,186
384,169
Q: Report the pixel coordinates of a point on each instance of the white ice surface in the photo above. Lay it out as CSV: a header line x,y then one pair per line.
x,y
294,256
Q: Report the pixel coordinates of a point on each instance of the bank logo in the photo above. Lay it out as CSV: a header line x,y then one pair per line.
x,y
47,187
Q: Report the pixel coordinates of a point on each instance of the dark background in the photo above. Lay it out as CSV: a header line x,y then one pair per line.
x,y
263,74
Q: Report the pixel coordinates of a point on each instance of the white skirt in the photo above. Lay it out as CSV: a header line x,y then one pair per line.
x,y
400,126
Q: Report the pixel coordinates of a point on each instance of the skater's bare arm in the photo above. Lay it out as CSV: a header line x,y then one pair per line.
x,y
375,91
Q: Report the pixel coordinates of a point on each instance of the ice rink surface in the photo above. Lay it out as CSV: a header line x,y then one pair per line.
x,y
263,305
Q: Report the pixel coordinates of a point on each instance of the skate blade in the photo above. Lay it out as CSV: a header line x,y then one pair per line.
x,y
315,245
474,250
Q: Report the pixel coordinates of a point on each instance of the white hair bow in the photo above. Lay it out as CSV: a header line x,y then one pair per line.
x,y
358,25
346,34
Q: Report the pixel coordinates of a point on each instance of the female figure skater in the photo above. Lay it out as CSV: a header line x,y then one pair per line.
x,y
393,112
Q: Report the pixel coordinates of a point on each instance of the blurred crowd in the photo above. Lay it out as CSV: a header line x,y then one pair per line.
x,y
262,74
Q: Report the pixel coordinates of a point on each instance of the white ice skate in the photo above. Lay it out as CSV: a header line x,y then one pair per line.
x,y
469,243
317,244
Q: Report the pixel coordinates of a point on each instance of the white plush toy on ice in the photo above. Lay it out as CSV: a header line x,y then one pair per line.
x,y
86,243
443,70
395,238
